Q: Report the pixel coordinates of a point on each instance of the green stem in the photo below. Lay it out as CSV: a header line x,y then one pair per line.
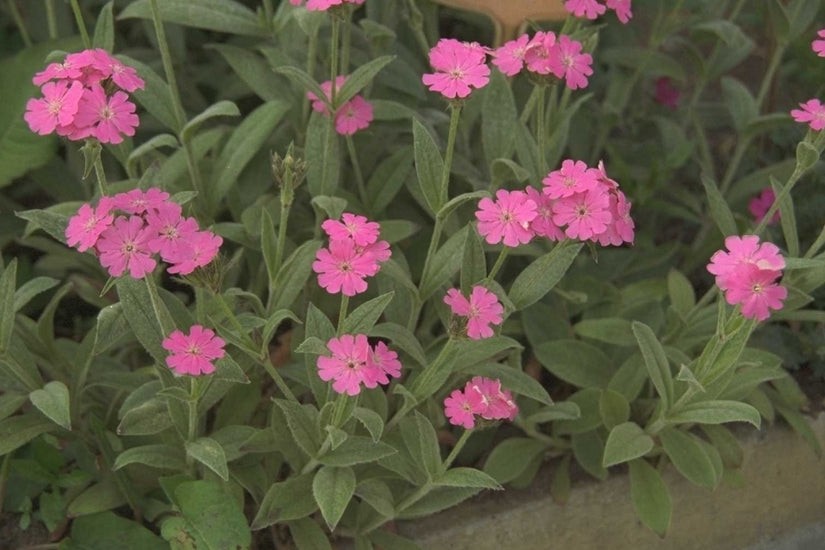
x,y
192,433
529,106
78,17
820,240
455,111
456,449
359,176
333,63
312,54
499,263
4,474
21,24
540,128
282,226
786,190
340,408
347,39
102,185
417,26
327,161
51,18
269,14
342,313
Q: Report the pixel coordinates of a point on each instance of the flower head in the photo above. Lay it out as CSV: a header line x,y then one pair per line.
x,y
623,9
125,77
125,245
818,45
193,353
171,229
58,107
357,228
354,115
459,66
666,94
542,225
348,364
573,177
342,268
509,58
138,201
481,310
812,112
461,407
108,117
324,5
85,227
756,290
384,363
507,219
569,63
585,214
760,204
745,250
589,9
539,52
197,250
482,397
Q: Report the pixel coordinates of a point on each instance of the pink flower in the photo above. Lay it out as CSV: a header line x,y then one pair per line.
x,y
354,115
58,107
138,201
459,67
589,9
759,206
509,58
326,87
348,364
497,404
193,353
86,61
122,75
666,94
756,290
380,252
539,52
362,231
621,228
573,177
812,112
507,219
197,250
85,227
461,406
109,117
622,9
57,71
171,229
570,63
324,5
384,363
124,246
542,225
342,268
481,310
745,250
585,214
819,45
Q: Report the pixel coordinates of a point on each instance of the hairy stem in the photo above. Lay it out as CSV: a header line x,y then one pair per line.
x,y
78,17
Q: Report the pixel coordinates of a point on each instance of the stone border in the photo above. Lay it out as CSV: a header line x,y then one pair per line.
x,y
784,490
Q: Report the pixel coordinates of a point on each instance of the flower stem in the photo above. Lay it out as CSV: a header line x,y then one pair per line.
x,y
192,404
279,253
312,54
456,449
268,14
359,176
455,111
333,63
540,128
499,263
100,174
346,42
342,313
51,18
327,162
417,25
78,17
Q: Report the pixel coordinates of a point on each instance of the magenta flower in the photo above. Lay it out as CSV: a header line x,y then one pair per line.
x,y
818,45
744,250
58,71
342,268
812,112
497,404
348,364
109,117
85,227
356,114
357,228
760,204
756,290
461,407
171,229
317,104
324,5
622,8
193,353
459,68
542,225
666,94
569,63
125,77
573,177
509,58
507,219
138,201
58,107
125,245
383,363
481,310
589,9
621,228
539,52
197,250
585,214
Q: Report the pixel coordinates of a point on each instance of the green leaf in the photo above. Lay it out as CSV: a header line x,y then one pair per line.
x,y
422,442
715,412
293,275
287,500
8,282
510,458
401,337
630,378
655,63
137,306
610,330
498,116
168,457
99,497
30,289
437,500
590,417
656,362
806,156
614,408
626,442
244,143
104,36
512,379
53,401
106,530
588,449
313,345
377,494
333,207
308,535
740,102
787,218
504,170
357,450
213,517
227,369
682,295
304,81
726,443
650,496
474,264
363,318
215,15
221,108
302,425
152,144
16,431
209,452
333,488
371,420
445,264
467,477
455,202
360,78
557,411
150,417
575,362
429,166
253,70
388,178
543,274
689,456
719,208
19,365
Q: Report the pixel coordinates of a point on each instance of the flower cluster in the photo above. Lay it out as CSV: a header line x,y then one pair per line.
x,y
483,397
193,353
545,54
577,202
747,273
813,111
818,45
324,5
85,96
760,204
355,362
481,310
354,253
356,114
459,67
151,224
592,9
